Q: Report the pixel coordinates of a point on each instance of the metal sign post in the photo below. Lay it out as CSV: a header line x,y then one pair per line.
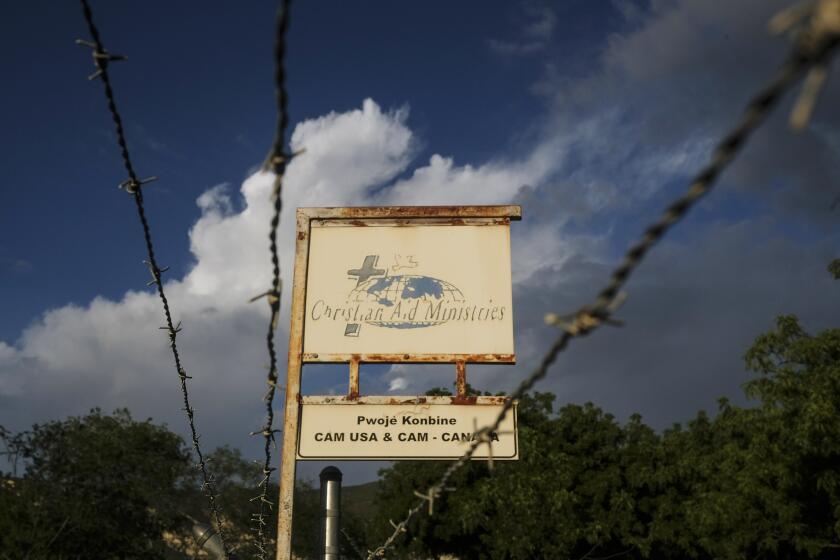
x,y
396,285
290,425
328,545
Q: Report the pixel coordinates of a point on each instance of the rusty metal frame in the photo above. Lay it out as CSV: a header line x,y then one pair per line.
x,y
409,358
489,400
394,216
451,213
406,216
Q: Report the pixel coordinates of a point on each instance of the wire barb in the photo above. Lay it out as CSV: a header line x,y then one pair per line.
x,y
101,60
587,318
431,494
101,57
485,436
273,297
277,161
815,26
156,276
132,185
172,330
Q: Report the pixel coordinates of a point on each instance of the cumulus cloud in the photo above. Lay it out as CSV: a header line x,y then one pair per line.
x,y
110,353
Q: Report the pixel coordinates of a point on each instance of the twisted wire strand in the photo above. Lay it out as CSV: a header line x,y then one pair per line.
x,y
133,186
276,162
353,544
809,52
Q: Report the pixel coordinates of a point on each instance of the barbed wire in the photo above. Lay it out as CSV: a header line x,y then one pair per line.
x,y
276,162
353,544
816,27
133,186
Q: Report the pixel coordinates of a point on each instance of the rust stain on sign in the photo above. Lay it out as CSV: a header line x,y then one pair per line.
x,y
512,212
315,357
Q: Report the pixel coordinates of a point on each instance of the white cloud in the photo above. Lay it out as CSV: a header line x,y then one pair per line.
x,y
110,353
545,246
397,384
443,182
348,154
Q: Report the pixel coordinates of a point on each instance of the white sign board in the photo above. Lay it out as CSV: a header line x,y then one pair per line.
x,y
419,428
417,289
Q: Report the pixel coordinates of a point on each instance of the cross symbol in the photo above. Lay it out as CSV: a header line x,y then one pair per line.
x,y
367,270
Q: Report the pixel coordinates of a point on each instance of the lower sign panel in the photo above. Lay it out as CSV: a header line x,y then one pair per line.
x,y
402,428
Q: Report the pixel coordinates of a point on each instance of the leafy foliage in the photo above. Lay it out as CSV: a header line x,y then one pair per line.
x,y
96,486
107,486
563,499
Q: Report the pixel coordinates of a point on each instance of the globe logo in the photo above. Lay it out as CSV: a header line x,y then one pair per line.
x,y
406,291
404,301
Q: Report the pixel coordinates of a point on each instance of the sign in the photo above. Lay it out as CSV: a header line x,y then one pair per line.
x,y
402,428
408,289
392,285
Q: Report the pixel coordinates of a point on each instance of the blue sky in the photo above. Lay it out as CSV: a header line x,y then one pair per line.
x,y
198,99
589,114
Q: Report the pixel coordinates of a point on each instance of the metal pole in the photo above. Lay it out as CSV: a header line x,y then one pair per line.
x,y
461,378
353,387
292,412
208,539
328,546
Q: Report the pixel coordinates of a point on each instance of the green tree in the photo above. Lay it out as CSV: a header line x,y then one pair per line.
x,y
799,390
101,486
567,496
762,481
96,486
